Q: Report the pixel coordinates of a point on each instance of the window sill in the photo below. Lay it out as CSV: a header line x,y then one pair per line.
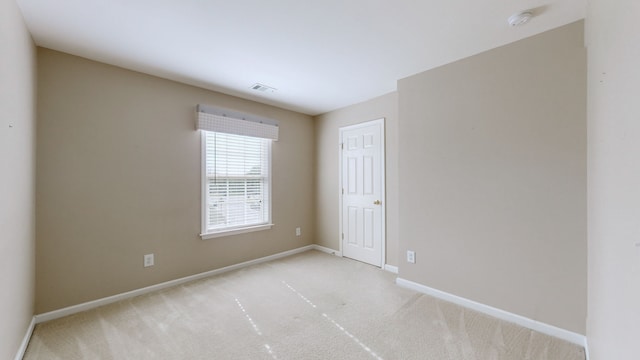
x,y
235,231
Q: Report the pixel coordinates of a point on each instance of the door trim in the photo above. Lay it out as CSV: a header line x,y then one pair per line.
x,y
381,123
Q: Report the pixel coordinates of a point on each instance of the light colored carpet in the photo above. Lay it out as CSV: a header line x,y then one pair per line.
x,y
307,306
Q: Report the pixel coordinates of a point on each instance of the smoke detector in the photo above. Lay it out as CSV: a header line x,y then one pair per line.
x,y
262,88
520,18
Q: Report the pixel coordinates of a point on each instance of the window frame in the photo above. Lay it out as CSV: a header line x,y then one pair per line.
x,y
205,232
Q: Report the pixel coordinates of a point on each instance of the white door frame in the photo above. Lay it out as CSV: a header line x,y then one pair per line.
x,y
380,122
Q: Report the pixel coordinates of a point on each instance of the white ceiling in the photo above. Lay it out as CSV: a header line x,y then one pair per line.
x,y
320,55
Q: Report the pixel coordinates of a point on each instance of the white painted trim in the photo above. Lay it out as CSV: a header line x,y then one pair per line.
x,y
327,250
538,326
243,230
25,340
383,196
205,234
203,183
340,194
56,314
391,268
383,185
586,348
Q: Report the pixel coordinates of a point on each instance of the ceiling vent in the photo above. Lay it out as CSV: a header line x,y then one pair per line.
x,y
262,88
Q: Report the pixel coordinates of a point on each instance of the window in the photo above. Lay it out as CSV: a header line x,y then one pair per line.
x,y
237,183
236,171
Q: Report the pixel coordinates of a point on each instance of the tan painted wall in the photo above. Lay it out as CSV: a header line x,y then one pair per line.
x,y
493,177
613,326
119,177
327,159
17,178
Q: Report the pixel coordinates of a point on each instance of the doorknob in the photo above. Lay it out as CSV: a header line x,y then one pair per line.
x,y
377,202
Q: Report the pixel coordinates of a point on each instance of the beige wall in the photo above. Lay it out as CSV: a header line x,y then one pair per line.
x,y
613,326
327,159
119,177
493,177
17,178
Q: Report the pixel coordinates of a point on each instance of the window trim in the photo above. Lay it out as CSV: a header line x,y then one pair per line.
x,y
204,233
236,231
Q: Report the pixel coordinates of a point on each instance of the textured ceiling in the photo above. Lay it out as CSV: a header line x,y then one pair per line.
x,y
319,55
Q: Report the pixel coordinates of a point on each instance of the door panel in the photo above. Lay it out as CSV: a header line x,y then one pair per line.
x,y
368,175
352,223
369,229
352,174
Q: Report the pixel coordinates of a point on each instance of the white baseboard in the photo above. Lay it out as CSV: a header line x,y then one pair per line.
x,y
56,314
538,326
391,268
387,267
25,340
327,250
586,348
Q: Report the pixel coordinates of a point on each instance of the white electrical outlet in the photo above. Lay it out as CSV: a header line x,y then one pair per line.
x,y
411,256
148,260
298,231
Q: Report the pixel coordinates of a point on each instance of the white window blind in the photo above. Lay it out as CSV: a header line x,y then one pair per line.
x,y
237,182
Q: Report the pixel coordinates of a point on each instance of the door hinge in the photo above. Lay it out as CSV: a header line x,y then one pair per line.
x,y
342,191
342,236
342,146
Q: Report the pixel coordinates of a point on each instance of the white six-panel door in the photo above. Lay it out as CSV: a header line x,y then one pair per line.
x,y
362,192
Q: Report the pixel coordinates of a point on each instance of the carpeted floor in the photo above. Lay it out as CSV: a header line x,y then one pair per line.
x,y
307,306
